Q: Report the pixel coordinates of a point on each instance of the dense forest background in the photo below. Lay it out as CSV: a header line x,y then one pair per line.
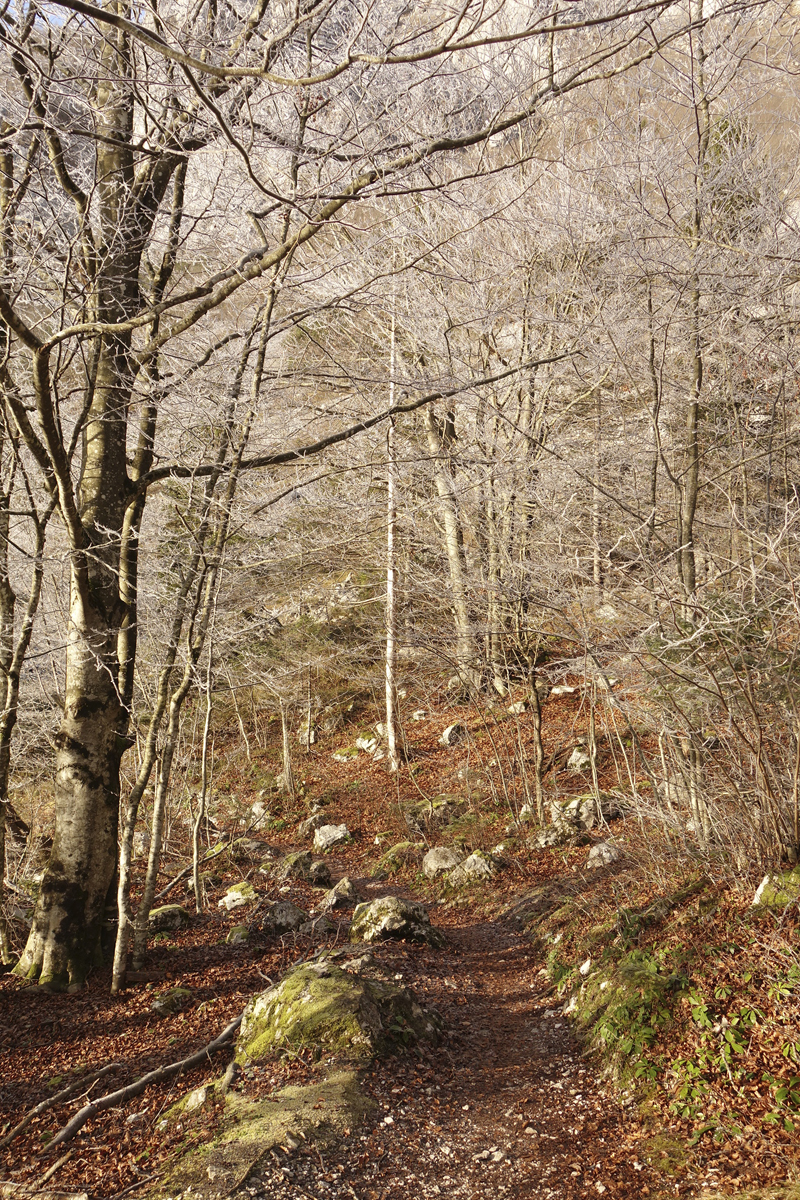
x,y
359,355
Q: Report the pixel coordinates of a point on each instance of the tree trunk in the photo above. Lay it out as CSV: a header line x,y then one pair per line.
x,y
455,559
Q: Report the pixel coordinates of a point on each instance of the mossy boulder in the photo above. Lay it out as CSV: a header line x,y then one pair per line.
x,y
390,918
320,1006
317,1113
777,891
424,816
168,919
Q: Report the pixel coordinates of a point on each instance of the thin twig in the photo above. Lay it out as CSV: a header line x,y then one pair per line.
x,y
50,1172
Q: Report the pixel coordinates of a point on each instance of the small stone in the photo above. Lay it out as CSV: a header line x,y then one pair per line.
x,y
238,935
453,734
585,967
519,707
419,714
196,1099
319,873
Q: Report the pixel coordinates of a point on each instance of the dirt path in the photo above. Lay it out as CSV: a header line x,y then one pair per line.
x,y
505,1107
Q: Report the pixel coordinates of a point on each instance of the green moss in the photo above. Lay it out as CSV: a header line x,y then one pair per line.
x,y
317,1113
323,1007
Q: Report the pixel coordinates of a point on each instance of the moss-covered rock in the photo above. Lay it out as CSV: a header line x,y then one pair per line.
x,y
168,919
238,895
424,816
397,857
318,1005
389,917
251,1129
238,935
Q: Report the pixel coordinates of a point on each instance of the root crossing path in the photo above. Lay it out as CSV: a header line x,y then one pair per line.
x,y
504,1107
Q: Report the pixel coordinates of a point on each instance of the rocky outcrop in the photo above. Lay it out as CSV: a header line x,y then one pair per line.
x,y
389,917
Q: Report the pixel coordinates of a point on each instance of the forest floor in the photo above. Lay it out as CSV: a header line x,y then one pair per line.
x,y
508,1104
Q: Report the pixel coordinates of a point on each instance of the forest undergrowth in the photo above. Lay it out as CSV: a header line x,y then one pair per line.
x,y
684,997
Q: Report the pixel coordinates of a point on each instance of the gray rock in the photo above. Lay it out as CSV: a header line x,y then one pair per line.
x,y
453,735
319,927
440,860
319,873
390,918
367,743
580,812
344,895
475,869
296,865
328,836
603,854
312,823
168,918
519,707
419,714
579,761
283,917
